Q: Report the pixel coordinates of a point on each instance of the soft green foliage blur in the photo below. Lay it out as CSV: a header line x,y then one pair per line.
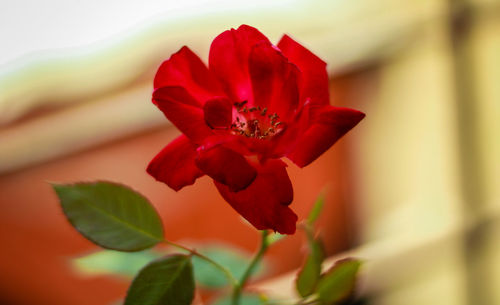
x,y
210,277
246,299
128,264
111,262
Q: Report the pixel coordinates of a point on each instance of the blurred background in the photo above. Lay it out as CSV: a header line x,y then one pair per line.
x,y
413,189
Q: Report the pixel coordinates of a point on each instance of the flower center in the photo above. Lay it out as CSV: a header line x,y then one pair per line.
x,y
255,122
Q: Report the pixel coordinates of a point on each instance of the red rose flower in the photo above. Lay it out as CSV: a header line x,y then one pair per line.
x,y
254,104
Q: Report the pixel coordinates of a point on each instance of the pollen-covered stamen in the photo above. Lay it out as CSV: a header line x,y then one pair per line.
x,y
254,122
240,105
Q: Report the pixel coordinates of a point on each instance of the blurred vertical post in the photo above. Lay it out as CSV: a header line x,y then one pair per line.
x,y
473,24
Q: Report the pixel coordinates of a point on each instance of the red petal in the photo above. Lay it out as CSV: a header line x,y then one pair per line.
x,y
314,77
265,202
185,69
284,142
218,112
274,80
228,60
183,111
332,124
174,165
226,166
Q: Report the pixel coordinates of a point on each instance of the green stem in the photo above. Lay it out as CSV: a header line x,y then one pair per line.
x,y
237,289
228,274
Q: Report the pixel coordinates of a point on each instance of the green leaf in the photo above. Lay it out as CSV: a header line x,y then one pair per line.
x,y
308,276
210,277
316,209
337,284
111,215
110,262
167,281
